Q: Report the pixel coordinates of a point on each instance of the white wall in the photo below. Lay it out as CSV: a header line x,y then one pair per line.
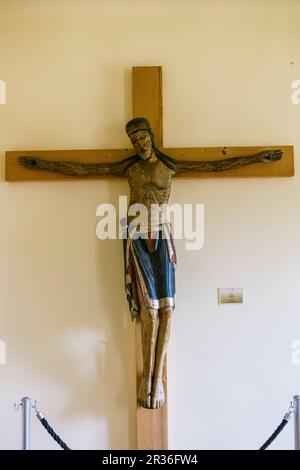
x,y
228,67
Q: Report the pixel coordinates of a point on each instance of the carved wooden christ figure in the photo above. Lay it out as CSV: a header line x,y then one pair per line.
x,y
150,257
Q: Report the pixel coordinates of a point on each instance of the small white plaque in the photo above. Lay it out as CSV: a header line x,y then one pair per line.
x,y
231,295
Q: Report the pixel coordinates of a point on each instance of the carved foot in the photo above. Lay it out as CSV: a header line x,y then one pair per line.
x,y
144,393
158,394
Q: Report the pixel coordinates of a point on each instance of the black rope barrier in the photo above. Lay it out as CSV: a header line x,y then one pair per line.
x,y
64,446
281,426
275,434
51,431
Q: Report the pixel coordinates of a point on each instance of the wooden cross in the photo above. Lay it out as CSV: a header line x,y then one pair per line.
x,y
152,426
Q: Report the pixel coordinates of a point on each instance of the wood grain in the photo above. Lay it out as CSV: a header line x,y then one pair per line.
x,y
147,98
283,168
152,425
15,172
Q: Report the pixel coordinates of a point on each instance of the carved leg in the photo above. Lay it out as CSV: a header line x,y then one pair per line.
x,y
158,394
149,327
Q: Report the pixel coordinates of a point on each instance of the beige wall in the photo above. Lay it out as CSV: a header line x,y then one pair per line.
x,y
228,67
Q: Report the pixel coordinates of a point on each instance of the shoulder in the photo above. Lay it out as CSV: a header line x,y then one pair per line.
x,y
168,162
129,162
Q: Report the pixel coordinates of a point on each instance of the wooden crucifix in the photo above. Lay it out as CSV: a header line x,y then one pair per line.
x,y
147,166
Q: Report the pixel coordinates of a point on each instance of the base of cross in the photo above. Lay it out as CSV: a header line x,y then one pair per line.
x,y
152,425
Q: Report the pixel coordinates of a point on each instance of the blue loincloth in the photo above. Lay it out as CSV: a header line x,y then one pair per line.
x,y
150,268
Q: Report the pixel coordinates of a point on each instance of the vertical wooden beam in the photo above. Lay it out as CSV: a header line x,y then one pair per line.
x,y
152,425
147,98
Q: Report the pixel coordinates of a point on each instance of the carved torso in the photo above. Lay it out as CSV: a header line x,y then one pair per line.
x,y
150,183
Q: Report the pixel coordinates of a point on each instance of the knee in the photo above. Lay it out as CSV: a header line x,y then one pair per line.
x,y
166,311
149,315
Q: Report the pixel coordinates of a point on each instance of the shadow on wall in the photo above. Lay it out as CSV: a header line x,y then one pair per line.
x,y
72,340
76,337
101,350
73,336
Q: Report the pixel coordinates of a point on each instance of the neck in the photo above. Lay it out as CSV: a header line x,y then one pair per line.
x,y
153,158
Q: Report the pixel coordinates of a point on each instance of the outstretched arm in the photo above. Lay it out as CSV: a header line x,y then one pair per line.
x,y
74,168
267,156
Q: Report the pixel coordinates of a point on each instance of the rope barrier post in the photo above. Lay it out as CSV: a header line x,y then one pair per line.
x,y
25,403
25,423
297,421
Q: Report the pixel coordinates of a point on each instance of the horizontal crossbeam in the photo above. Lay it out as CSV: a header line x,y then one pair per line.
x,y
284,167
